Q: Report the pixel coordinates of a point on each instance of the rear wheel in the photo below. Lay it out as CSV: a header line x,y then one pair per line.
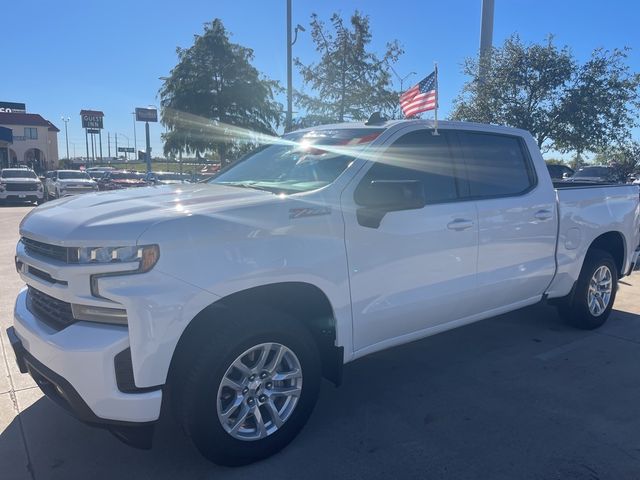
x,y
250,390
595,292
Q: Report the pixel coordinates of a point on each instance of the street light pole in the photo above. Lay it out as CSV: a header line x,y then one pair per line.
x,y
135,142
66,133
401,79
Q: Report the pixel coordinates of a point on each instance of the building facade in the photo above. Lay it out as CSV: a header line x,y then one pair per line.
x,y
34,142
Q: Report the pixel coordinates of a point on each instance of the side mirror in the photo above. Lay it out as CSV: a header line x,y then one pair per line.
x,y
566,175
382,196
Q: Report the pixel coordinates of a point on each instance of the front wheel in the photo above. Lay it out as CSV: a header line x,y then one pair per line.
x,y
250,390
595,292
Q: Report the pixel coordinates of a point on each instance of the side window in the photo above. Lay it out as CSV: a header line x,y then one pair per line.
x,y
496,165
422,156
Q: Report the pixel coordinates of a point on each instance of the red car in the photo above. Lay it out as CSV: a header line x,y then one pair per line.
x,y
117,179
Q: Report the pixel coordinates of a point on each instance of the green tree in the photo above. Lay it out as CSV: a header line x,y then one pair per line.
x,y
543,89
600,106
214,84
349,81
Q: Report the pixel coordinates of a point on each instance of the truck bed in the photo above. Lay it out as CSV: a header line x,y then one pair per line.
x,y
586,211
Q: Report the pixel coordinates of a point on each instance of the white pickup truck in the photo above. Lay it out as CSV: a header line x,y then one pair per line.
x,y
231,299
20,184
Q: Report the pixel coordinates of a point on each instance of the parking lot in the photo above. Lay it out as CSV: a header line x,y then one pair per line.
x,y
517,396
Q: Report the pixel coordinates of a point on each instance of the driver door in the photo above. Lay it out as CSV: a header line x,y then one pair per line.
x,y
417,270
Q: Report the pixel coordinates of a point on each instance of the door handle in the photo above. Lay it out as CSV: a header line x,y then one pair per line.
x,y
543,215
460,224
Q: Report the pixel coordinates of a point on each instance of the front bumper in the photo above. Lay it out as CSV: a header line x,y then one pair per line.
x,y
67,192
75,366
58,389
27,195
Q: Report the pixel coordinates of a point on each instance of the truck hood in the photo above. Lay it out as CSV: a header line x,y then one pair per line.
x,y
119,217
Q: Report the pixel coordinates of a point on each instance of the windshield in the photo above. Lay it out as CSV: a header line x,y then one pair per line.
x,y
73,176
593,172
303,161
127,176
18,174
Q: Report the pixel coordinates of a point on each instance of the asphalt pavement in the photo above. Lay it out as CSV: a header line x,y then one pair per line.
x,y
519,396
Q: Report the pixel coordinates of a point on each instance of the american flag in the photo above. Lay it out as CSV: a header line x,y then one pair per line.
x,y
421,97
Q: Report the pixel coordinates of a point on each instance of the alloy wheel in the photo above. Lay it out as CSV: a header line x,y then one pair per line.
x,y
259,391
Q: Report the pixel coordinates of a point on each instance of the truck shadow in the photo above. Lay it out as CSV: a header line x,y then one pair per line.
x,y
516,396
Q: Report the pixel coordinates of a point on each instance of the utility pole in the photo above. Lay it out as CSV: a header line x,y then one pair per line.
x,y
66,133
486,37
290,43
109,145
116,135
289,74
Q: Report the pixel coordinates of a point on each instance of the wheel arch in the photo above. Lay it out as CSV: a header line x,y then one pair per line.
x,y
612,242
302,301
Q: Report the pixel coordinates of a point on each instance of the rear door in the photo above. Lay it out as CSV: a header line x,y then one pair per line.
x,y
517,219
417,269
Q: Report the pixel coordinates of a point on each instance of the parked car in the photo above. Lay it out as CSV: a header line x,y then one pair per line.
x,y
21,184
559,172
231,299
63,183
96,173
117,179
167,178
594,174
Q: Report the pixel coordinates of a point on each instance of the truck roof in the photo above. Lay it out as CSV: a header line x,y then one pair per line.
x,y
443,125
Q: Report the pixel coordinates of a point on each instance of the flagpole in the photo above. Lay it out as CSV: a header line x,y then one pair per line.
x,y
435,112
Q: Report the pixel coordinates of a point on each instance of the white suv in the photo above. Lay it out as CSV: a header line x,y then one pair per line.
x,y
20,184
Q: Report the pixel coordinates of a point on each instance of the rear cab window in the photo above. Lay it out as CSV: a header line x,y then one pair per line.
x,y
497,165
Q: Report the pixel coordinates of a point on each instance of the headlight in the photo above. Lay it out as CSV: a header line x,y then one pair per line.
x,y
146,255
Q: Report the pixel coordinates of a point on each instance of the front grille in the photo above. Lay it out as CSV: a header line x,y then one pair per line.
x,y
55,313
44,276
21,187
47,250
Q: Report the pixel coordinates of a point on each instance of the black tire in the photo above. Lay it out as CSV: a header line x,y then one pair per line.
x,y
577,310
195,398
